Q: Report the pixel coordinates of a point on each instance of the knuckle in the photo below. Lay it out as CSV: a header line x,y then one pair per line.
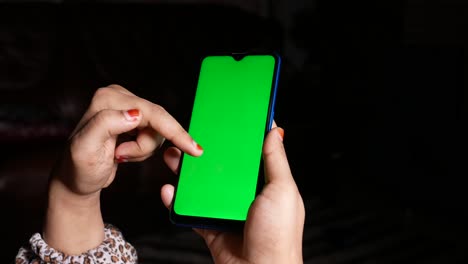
x,y
99,97
268,151
101,92
115,86
178,132
158,110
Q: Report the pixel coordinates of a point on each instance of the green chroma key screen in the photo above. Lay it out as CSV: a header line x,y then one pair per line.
x,y
229,119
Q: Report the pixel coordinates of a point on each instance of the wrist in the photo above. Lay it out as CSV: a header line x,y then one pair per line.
x,y
60,195
282,254
73,222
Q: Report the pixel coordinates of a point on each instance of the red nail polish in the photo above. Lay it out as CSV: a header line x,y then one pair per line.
x,y
199,147
281,132
122,159
133,112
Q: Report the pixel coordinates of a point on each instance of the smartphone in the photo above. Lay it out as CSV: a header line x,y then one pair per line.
x,y
232,111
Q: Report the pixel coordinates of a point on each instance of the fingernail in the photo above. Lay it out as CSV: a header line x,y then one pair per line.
x,y
132,114
122,159
197,146
281,133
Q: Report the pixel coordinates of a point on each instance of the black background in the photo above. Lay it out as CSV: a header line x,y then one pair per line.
x,y
371,97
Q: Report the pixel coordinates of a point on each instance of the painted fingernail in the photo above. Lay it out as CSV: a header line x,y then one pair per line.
x,y
197,146
281,133
132,114
122,159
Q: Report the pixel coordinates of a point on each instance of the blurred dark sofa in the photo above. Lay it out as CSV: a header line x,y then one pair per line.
x,y
52,59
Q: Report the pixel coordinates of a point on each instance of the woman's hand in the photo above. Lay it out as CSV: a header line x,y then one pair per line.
x,y
274,227
93,154
74,222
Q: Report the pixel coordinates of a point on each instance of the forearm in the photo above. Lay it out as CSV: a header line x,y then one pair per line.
x,y
73,223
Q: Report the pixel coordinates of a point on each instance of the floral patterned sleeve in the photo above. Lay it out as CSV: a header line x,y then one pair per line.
x,y
114,249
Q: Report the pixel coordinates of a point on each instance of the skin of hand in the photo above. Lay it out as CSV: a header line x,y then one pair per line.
x,y
89,163
274,227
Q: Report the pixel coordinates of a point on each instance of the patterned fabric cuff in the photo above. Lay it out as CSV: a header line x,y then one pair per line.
x,y
114,249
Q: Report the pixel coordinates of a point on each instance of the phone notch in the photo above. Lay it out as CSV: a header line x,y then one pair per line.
x,y
238,56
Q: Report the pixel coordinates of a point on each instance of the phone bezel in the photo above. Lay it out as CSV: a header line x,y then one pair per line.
x,y
228,224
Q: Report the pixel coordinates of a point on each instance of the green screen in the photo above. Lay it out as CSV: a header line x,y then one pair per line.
x,y
229,118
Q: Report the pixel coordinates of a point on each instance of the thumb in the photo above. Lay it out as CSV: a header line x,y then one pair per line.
x,y
108,124
274,156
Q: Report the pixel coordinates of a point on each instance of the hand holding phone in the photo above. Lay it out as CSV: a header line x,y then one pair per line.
x,y
232,112
274,227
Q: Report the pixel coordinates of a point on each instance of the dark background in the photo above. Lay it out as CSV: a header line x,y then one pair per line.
x,y
371,97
